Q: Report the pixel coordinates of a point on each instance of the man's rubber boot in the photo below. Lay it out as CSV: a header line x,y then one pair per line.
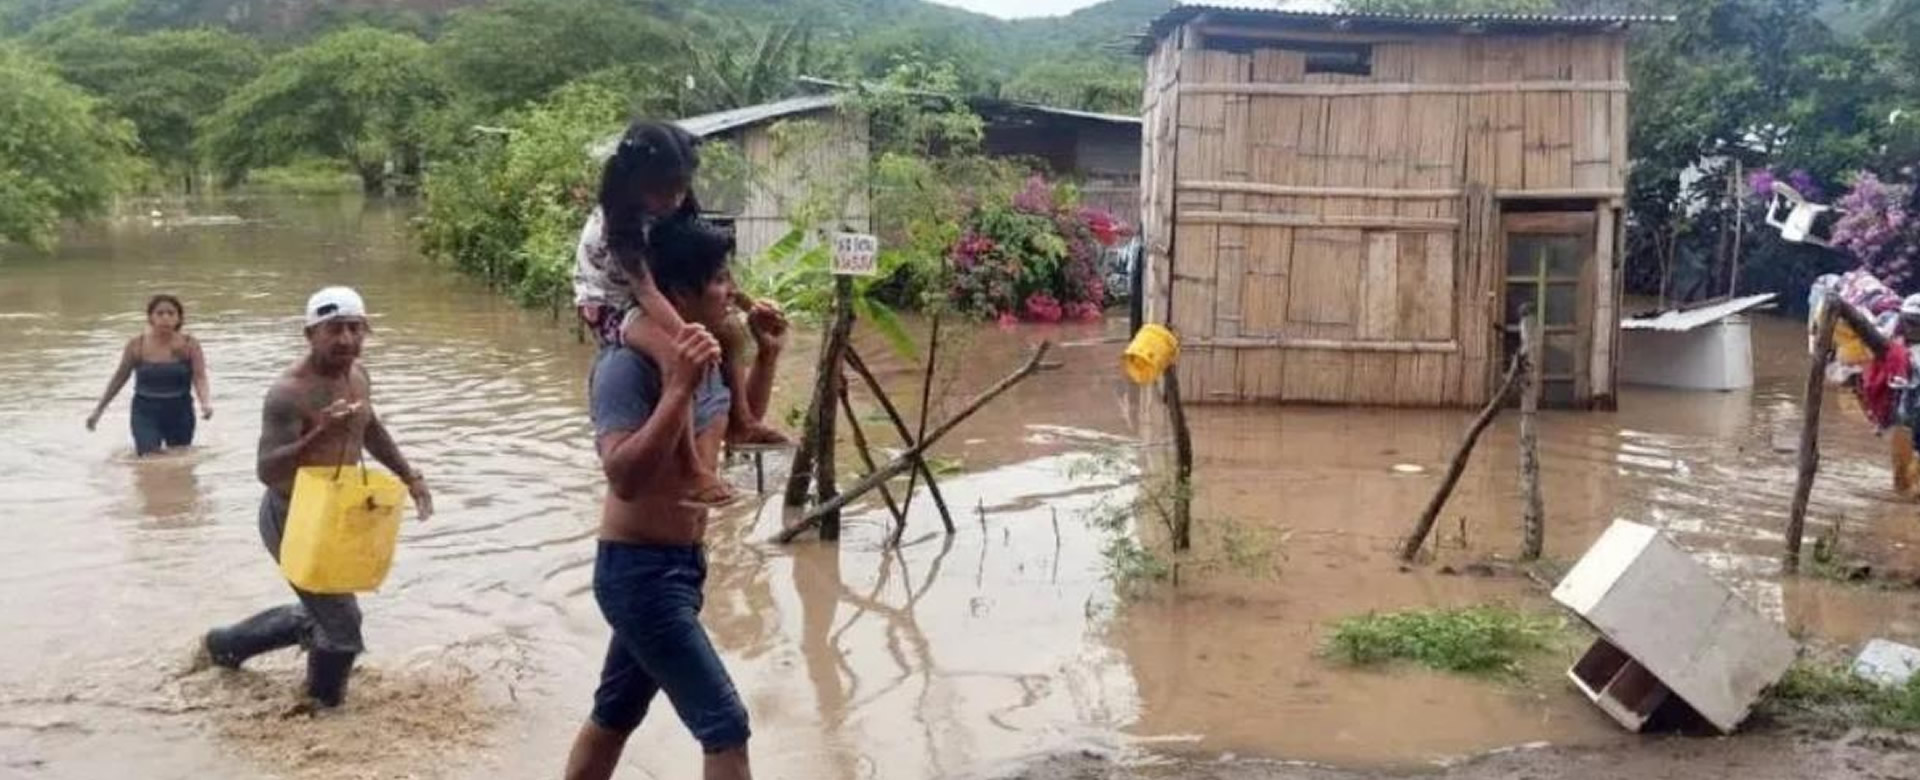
x,y
270,630
327,673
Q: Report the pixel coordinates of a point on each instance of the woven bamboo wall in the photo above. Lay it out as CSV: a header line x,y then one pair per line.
x,y
782,179
1335,238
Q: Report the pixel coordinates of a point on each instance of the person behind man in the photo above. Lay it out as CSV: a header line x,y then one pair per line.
x,y
318,413
165,363
651,564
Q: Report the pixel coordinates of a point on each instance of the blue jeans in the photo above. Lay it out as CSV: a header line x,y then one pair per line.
x,y
161,422
651,594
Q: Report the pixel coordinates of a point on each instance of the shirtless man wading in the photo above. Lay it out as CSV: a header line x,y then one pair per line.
x,y
651,564
319,412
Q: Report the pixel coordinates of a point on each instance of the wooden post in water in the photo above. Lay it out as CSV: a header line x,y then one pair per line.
x,y
800,476
1183,462
1411,547
1534,513
1810,405
824,466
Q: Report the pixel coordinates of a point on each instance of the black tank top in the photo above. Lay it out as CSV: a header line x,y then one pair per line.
x,y
167,379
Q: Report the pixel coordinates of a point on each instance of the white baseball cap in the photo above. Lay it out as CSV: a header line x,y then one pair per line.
x,y
334,302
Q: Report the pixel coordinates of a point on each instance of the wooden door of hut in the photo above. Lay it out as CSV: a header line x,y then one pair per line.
x,y
1549,262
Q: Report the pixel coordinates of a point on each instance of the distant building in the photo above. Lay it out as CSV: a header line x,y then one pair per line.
x,y
1100,152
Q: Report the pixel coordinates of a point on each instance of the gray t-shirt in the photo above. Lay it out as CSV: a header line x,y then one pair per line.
x,y
625,387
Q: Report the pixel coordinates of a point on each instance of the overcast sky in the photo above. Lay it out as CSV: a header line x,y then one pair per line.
x,y
1015,9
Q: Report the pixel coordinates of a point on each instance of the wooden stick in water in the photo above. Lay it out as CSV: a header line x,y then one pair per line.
x,y
859,366
905,460
1411,547
1810,430
866,458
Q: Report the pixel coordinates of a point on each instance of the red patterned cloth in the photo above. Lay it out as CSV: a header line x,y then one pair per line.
x,y
1877,393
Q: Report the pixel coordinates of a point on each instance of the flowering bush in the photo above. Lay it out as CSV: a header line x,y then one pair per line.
x,y
1876,228
1035,258
1762,180
1878,231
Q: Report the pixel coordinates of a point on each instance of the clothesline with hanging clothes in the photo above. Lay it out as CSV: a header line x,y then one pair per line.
x,y
1887,384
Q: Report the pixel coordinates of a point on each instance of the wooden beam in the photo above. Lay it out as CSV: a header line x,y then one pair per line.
x,y
1363,90
1561,194
1305,36
1315,221
1281,190
1328,345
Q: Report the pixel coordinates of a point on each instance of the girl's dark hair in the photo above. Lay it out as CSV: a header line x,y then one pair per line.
x,y
652,157
686,253
155,301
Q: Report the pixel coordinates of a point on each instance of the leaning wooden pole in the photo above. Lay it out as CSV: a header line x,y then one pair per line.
x,y
859,366
926,401
906,459
1533,515
866,458
1183,462
1411,547
1810,406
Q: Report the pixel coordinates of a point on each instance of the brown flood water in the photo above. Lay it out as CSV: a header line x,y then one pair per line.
x,y
959,656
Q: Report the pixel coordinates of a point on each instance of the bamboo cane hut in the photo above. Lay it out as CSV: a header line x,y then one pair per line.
x,y
1351,208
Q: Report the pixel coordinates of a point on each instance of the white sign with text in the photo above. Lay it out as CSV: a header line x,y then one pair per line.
x,y
856,254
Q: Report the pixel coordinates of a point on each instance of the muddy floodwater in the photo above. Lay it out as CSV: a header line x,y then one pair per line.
x,y
971,655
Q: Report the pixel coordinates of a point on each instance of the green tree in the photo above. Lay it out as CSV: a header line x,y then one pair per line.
x,y
1086,83
745,68
878,54
363,96
60,156
1764,83
509,208
505,55
163,82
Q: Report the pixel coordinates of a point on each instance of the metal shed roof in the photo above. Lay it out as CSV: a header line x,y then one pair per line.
x,y
1490,22
1680,320
721,121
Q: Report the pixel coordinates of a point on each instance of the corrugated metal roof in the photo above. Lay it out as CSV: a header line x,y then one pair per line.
x,y
1181,14
978,102
721,121
1680,320
1095,116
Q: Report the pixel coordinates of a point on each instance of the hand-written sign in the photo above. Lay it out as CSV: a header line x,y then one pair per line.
x,y
855,254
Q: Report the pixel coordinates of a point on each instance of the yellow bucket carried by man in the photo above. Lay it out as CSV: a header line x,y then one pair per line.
x,y
342,526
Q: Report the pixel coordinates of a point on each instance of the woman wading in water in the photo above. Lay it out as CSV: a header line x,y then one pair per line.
x,y
168,369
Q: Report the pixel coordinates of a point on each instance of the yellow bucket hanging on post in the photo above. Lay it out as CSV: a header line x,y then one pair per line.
x,y
1153,350
342,525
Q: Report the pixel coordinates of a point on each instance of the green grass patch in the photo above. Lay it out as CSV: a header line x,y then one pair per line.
x,y
1828,694
1483,640
305,177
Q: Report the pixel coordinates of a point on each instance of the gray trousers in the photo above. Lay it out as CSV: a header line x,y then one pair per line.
x,y
333,619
